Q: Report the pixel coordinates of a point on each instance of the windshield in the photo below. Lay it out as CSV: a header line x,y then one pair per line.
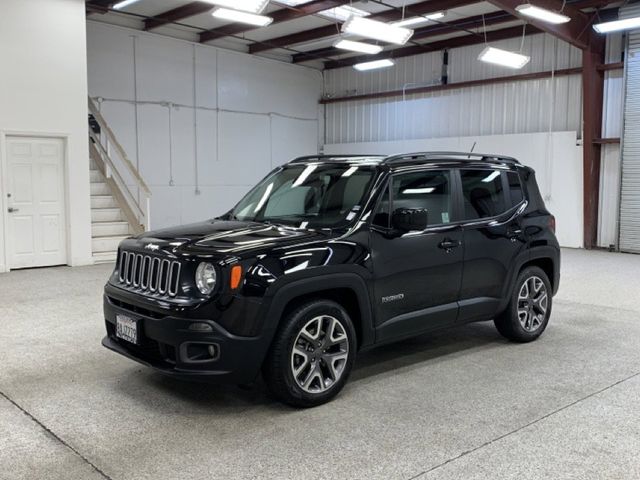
x,y
310,195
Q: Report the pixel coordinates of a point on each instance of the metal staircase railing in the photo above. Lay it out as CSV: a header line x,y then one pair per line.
x,y
124,179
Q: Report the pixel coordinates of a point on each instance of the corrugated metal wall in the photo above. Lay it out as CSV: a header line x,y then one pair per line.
x,y
630,190
519,107
610,158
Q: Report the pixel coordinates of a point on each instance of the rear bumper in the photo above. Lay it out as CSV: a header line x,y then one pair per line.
x,y
163,342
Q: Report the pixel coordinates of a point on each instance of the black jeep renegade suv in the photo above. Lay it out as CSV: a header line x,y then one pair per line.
x,y
331,255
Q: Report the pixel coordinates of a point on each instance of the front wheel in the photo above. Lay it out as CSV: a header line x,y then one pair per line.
x,y
527,314
312,354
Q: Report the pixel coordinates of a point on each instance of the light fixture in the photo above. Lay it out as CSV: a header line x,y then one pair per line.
x,y
251,6
357,46
341,14
418,20
366,27
385,63
504,58
124,3
242,17
617,25
543,14
292,3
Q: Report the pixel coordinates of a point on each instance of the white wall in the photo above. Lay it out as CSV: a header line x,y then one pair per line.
x,y
43,91
555,157
250,115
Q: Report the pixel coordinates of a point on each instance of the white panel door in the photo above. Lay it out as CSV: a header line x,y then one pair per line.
x,y
36,202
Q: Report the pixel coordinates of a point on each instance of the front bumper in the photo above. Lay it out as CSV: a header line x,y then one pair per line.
x,y
163,340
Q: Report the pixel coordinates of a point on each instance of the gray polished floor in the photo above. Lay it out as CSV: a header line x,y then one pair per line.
x,y
462,404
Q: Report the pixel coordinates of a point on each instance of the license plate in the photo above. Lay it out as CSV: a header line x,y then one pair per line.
x,y
126,328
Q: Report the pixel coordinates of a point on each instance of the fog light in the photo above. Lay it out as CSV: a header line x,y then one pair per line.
x,y
201,327
213,351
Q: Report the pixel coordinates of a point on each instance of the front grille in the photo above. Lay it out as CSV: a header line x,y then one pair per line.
x,y
149,274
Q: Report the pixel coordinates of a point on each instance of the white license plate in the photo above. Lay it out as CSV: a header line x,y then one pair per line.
x,y
126,328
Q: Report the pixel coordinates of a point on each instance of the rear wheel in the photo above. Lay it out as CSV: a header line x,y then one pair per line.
x,y
312,354
527,314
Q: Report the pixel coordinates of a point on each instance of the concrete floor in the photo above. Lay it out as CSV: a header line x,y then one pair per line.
x,y
461,404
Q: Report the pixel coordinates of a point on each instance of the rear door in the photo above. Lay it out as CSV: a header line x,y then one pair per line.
x,y
491,199
417,274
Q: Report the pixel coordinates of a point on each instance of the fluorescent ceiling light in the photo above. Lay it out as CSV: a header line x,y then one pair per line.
x,y
418,20
362,67
123,4
414,191
491,177
505,58
617,25
543,14
366,27
342,14
251,6
358,46
292,3
242,17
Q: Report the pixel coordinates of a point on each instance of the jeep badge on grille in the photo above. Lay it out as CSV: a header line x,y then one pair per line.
x,y
152,246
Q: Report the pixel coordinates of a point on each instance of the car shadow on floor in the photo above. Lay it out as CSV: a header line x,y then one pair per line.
x,y
166,393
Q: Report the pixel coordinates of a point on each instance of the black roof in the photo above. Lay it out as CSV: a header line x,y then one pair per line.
x,y
409,158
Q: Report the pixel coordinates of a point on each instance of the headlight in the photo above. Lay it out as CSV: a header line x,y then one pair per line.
x,y
206,278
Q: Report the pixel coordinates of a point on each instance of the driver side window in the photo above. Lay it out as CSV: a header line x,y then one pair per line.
x,y
428,190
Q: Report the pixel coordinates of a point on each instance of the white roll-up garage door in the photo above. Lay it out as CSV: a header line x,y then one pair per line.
x,y
630,188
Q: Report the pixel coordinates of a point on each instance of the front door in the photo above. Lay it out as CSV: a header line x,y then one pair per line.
x,y
36,202
418,274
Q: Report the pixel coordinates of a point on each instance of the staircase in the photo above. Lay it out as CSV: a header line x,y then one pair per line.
x,y
119,208
108,224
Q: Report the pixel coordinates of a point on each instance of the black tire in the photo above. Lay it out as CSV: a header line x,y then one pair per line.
x,y
278,369
508,322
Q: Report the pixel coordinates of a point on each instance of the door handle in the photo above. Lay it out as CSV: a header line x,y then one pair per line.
x,y
448,244
514,234
12,210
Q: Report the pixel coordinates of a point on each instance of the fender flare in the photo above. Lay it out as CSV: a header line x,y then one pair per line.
x,y
274,308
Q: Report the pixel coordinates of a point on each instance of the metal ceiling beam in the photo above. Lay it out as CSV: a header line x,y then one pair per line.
x,y
577,32
98,6
189,10
422,8
455,42
278,16
456,26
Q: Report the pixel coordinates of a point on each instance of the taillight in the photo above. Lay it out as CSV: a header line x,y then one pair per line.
x,y
552,223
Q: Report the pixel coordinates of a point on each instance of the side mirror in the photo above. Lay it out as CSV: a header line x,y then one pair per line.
x,y
410,219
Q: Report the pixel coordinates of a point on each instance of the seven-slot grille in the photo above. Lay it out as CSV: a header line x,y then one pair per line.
x,y
159,276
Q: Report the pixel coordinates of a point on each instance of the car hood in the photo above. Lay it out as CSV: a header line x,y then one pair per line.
x,y
225,237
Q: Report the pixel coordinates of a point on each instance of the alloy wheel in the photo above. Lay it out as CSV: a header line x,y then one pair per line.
x,y
533,302
319,354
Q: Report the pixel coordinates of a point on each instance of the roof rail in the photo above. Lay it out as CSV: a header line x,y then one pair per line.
x,y
308,158
484,157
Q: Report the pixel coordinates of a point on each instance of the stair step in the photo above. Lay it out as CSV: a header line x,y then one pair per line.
x,y
106,244
108,229
100,188
106,215
105,257
103,201
96,176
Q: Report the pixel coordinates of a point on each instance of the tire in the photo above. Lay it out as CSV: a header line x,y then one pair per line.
x,y
527,313
323,335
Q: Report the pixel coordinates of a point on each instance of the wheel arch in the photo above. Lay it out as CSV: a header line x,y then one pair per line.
x,y
347,289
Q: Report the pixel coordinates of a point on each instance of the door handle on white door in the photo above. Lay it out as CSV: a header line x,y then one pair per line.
x,y
12,210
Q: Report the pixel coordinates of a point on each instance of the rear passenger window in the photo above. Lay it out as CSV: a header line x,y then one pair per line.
x,y
515,188
430,190
483,193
